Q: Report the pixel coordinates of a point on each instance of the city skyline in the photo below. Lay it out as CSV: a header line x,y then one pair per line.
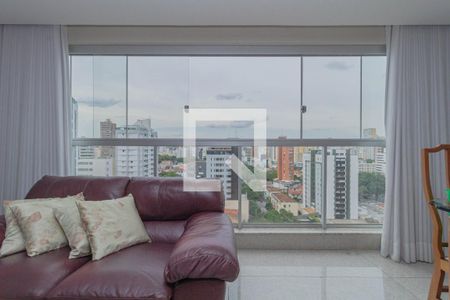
x,y
296,189
205,129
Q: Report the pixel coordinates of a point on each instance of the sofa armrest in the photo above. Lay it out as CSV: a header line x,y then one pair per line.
x,y
206,249
2,229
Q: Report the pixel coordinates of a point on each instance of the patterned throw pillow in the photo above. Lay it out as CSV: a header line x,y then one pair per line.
x,y
39,226
70,221
112,225
14,240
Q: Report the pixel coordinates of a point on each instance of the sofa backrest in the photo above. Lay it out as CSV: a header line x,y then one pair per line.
x,y
164,199
157,199
93,188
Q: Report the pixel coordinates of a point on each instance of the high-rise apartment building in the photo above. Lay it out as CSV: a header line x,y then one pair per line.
x,y
298,154
380,161
367,154
95,167
367,167
248,155
312,180
216,167
86,152
135,160
88,162
271,157
285,164
107,131
342,182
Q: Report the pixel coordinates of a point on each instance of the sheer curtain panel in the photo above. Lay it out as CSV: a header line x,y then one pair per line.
x,y
417,116
34,106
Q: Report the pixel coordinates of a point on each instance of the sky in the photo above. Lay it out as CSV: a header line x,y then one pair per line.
x,y
160,87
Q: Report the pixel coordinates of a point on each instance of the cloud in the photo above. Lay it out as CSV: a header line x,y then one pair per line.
x,y
229,96
102,103
230,124
338,65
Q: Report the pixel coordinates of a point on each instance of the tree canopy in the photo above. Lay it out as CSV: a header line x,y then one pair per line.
x,y
371,186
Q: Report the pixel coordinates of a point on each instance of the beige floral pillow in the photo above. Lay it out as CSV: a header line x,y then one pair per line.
x,y
70,221
39,226
112,225
14,240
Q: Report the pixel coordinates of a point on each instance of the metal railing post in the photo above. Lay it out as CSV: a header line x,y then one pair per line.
x,y
324,187
239,192
155,161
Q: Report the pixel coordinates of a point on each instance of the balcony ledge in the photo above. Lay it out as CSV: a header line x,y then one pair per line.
x,y
309,238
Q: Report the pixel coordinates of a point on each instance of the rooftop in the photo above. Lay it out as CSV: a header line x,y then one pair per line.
x,y
272,189
283,198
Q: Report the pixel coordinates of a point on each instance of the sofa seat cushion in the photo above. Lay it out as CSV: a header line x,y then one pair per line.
x,y
23,277
132,273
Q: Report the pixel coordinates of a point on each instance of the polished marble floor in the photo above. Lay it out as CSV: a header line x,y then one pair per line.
x,y
327,275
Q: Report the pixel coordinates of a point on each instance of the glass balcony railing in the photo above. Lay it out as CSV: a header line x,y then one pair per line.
x,y
304,195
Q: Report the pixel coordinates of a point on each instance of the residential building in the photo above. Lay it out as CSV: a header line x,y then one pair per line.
x,y
248,155
89,163
216,167
107,131
312,180
298,154
367,167
282,201
271,157
136,160
295,191
367,154
86,152
380,161
94,167
342,184
285,164
341,179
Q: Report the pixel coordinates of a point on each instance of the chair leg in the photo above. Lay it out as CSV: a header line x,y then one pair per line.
x,y
437,282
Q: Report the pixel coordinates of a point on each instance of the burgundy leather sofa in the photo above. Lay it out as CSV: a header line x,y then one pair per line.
x,y
191,256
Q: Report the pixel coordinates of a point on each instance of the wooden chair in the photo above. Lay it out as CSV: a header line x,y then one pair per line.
x,y
441,264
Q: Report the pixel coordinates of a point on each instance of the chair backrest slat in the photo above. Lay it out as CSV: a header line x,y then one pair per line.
x,y
426,178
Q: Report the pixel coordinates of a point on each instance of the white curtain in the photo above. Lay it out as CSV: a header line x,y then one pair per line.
x,y
417,116
34,106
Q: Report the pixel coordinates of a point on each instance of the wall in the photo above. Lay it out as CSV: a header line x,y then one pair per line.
x,y
252,35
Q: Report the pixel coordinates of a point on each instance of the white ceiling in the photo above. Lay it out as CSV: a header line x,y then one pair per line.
x,y
225,12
